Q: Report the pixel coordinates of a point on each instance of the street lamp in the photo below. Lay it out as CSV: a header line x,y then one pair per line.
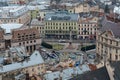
x,y
85,31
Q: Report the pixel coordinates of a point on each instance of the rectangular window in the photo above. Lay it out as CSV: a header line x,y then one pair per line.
x,y
116,50
116,43
116,57
110,41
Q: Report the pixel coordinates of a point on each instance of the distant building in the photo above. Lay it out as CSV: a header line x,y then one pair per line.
x,y
14,14
39,25
108,41
88,27
59,24
15,35
85,7
15,1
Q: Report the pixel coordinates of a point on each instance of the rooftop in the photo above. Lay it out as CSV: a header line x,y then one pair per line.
x,y
12,11
99,74
37,22
62,15
66,73
8,27
111,26
35,59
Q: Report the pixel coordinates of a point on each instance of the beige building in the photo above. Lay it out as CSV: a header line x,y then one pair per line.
x,y
87,27
39,25
14,14
18,35
108,41
84,7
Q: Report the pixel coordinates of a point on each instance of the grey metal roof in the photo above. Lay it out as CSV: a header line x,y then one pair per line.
x,y
62,16
111,26
116,66
99,74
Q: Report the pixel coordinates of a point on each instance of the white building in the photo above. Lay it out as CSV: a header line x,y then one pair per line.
x,y
14,14
116,10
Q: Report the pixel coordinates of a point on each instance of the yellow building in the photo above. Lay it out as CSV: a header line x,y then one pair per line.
x,y
59,25
108,41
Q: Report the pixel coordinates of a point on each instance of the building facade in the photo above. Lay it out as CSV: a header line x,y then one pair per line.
x,y
59,25
39,25
28,37
14,14
86,7
108,41
88,28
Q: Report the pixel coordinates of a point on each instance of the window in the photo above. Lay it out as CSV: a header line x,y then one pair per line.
x,y
116,50
19,44
110,56
110,41
116,57
27,42
38,68
74,23
116,43
23,42
32,69
30,41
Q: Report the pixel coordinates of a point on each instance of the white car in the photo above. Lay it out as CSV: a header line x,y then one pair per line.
x,y
62,41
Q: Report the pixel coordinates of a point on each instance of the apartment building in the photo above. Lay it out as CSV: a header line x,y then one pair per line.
x,y
60,24
108,41
85,7
14,14
18,35
88,27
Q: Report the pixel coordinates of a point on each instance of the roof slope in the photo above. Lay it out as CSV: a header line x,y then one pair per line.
x,y
99,74
35,59
116,66
111,26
